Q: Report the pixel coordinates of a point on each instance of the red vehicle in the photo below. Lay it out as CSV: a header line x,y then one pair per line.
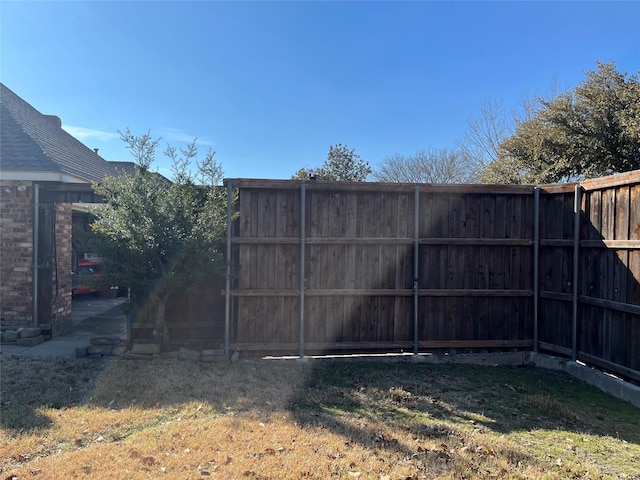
x,y
85,280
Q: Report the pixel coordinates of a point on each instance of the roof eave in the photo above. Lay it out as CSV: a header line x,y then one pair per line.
x,y
34,176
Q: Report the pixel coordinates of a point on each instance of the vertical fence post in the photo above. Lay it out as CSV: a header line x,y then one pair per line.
x,y
416,265
536,266
227,299
577,201
303,241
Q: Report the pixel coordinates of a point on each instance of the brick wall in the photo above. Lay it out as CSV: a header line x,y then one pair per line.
x,y
61,281
16,262
16,257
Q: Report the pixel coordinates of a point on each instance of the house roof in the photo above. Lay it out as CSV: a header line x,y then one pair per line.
x,y
127,167
33,146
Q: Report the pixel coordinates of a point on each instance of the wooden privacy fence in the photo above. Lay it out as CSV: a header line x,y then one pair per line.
x,y
317,267
590,272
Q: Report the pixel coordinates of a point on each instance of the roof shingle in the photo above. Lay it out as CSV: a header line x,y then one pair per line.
x,y
31,142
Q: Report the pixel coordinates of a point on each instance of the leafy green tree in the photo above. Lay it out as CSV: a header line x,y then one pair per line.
x,y
342,165
426,166
157,236
589,132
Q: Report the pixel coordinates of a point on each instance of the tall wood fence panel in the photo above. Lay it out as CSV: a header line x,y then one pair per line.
x,y
590,275
556,259
321,267
475,268
385,267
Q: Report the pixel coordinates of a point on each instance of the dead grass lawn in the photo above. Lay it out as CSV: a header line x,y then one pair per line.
x,y
323,419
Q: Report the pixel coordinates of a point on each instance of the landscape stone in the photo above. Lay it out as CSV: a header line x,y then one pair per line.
x,y
145,348
170,355
46,328
30,342
10,336
118,351
137,356
29,332
99,349
213,352
189,354
105,341
212,358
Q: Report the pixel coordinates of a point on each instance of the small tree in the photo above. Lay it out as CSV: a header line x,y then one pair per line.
x,y
342,165
157,236
426,166
591,131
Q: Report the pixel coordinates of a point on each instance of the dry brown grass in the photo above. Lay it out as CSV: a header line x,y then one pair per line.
x,y
279,420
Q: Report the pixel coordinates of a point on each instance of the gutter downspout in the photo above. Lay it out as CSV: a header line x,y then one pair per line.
x,y
36,254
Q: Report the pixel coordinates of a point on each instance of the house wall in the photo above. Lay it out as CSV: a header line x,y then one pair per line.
x,y
16,263
61,278
16,257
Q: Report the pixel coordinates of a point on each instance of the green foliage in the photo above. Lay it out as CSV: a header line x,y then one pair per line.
x,y
426,166
342,165
589,132
154,235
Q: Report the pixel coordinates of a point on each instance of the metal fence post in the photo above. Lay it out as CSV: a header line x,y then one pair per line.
x,y
536,261
576,251
303,241
416,265
227,306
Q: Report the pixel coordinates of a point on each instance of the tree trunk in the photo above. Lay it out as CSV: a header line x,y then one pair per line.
x,y
160,328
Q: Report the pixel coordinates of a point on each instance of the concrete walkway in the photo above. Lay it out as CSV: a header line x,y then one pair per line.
x,y
91,317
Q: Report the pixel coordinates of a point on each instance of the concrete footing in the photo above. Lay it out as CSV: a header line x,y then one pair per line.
x,y
607,383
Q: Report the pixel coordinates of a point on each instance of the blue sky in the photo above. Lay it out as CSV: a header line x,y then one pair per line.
x,y
270,86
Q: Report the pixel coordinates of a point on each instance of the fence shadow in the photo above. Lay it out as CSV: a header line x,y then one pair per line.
x,y
439,400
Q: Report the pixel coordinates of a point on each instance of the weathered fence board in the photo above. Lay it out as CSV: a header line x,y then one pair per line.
x,y
359,261
608,314
609,300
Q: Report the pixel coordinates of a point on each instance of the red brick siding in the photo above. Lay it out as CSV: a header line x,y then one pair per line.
x,y
16,257
61,285
16,261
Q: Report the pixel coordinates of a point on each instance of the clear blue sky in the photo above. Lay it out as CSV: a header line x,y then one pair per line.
x,y
271,85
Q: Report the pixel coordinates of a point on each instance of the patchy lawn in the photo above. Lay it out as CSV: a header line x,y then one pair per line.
x,y
325,419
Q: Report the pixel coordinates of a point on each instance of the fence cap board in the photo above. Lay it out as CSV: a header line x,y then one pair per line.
x,y
617,180
627,178
375,187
